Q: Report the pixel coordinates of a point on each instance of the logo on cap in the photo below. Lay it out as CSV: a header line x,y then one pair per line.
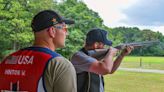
x,y
54,21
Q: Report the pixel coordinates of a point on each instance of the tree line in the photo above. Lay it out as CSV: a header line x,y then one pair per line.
x,y
16,32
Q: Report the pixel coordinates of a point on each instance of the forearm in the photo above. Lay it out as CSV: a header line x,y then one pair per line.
x,y
119,59
108,62
117,63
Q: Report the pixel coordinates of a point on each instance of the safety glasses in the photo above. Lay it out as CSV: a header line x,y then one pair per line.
x,y
62,26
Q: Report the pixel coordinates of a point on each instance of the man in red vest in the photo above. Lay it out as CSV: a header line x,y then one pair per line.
x,y
38,68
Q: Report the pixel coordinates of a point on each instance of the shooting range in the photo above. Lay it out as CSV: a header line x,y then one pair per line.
x,y
138,23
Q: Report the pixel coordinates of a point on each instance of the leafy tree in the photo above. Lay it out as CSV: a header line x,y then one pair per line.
x,y
16,16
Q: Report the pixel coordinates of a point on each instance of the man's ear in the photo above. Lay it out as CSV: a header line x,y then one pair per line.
x,y
51,32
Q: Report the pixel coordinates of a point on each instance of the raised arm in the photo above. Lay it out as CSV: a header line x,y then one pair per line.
x,y
119,59
104,67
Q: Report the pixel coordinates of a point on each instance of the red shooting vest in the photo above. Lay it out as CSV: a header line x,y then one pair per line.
x,y
23,70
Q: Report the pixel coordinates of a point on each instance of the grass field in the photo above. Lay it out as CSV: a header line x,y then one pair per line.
x,y
123,81
143,62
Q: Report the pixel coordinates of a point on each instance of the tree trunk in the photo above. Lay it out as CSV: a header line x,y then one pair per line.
x,y
14,45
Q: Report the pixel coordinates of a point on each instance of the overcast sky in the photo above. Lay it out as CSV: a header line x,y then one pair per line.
x,y
145,14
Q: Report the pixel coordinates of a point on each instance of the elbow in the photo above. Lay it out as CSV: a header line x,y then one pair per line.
x,y
112,72
107,71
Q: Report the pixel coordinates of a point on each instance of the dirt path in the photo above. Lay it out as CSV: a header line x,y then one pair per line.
x,y
143,70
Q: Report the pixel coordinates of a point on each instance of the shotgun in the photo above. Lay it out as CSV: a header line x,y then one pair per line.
x,y
100,53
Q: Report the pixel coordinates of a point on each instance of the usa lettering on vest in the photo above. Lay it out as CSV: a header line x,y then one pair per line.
x,y
25,59
20,60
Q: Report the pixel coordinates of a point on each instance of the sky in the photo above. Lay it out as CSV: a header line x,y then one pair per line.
x,y
144,14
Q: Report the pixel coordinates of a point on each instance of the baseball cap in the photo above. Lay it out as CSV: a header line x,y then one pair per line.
x,y
98,35
48,18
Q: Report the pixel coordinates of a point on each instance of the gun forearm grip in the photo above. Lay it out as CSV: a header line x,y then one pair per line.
x,y
120,47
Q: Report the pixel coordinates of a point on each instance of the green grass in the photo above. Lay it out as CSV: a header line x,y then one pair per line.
x,y
146,62
123,81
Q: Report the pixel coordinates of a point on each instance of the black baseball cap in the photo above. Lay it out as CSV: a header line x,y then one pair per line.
x,y
98,35
48,18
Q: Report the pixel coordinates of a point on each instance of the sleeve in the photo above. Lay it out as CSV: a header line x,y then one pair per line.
x,y
60,76
82,62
